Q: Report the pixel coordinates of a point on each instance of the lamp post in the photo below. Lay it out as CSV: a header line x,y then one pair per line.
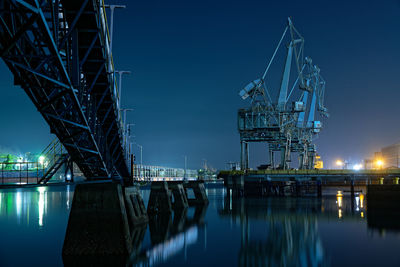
x,y
184,174
141,159
121,72
124,125
128,137
112,7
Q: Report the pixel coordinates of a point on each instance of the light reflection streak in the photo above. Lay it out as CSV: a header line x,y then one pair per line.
x,y
68,196
361,200
42,203
18,204
357,203
161,252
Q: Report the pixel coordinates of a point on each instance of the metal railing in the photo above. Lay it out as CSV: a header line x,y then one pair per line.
x,y
21,172
159,173
30,172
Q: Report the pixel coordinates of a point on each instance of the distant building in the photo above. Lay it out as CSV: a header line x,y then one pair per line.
x,y
390,155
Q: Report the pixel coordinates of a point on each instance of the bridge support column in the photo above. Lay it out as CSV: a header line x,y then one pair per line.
x,y
283,159
99,226
246,152
271,158
180,198
160,198
199,192
135,206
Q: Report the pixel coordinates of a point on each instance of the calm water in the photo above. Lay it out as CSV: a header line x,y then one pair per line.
x,y
330,231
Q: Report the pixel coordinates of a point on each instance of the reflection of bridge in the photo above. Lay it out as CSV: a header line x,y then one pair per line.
x,y
59,53
169,236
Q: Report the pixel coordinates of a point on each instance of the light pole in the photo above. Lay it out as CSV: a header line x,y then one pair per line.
x,y
141,159
124,124
112,7
184,174
121,72
141,154
128,136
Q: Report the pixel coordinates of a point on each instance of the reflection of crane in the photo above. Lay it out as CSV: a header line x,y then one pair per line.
x,y
289,234
285,128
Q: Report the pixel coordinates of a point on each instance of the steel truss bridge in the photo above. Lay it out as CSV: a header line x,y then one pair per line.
x,y
59,53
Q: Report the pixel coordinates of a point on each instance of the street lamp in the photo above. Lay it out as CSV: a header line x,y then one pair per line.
x,y
121,72
339,163
141,154
112,7
379,163
184,174
127,138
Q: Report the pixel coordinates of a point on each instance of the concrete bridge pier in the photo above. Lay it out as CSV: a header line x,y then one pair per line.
x,y
200,195
160,198
179,194
102,220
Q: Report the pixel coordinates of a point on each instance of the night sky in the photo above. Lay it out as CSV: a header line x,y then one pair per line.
x,y
189,60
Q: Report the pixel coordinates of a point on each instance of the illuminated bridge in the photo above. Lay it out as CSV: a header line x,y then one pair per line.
x,y
59,54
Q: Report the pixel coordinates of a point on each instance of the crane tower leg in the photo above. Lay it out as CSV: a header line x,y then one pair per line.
x,y
271,158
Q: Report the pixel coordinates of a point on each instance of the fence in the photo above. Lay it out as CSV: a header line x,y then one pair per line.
x,y
155,173
21,172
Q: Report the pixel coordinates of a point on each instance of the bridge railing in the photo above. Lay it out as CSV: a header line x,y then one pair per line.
x,y
21,172
149,173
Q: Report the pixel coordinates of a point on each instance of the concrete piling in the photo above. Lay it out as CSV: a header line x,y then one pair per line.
x,y
135,207
199,192
102,219
179,193
160,198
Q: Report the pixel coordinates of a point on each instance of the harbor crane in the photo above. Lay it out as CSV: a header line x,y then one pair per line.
x,y
287,123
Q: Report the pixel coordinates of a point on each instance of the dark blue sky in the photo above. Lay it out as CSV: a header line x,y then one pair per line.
x,y
190,58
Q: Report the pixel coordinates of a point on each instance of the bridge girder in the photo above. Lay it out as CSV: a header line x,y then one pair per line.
x,y
58,53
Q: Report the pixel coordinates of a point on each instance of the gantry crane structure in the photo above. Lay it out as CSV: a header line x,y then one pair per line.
x,y
289,122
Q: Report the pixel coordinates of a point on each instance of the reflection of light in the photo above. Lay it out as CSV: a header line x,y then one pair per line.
x,y
41,204
339,200
230,199
362,214
340,213
18,203
163,251
68,196
361,201
357,203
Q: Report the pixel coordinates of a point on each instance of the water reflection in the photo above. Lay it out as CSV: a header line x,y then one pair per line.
x,y
170,234
29,206
285,231
244,232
